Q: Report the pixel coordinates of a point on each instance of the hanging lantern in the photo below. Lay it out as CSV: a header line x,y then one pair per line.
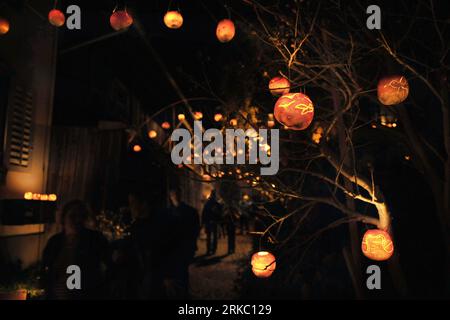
x,y
181,117
173,19
120,20
225,30
4,26
56,18
44,197
233,122
198,115
218,117
377,245
263,264
152,134
392,90
294,110
28,196
137,148
165,125
36,196
279,86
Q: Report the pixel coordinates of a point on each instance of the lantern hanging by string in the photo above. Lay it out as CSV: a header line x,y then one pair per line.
x,y
152,134
279,86
377,245
173,19
294,110
120,20
137,148
263,264
165,125
225,30
181,117
4,26
56,18
392,90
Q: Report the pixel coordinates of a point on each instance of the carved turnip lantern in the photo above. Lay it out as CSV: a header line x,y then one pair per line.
x,y
4,26
120,20
294,110
173,19
263,264
56,18
279,86
225,30
377,245
165,125
393,90
137,148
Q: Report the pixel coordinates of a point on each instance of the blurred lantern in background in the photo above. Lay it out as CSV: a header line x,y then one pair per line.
x,y
294,110
152,134
233,122
181,117
28,196
44,197
393,90
4,26
225,30
137,148
56,18
198,115
165,125
263,264
173,19
279,86
377,245
52,197
120,20
218,117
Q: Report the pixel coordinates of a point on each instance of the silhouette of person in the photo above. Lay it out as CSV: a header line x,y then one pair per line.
x,y
211,216
76,245
231,214
181,246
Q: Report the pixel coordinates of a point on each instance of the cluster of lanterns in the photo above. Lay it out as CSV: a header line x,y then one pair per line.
x,y
39,196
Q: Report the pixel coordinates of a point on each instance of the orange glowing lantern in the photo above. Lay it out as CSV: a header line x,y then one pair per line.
x,y
233,122
44,197
393,90
137,148
56,18
120,20
377,245
181,117
198,115
152,134
263,264
28,196
4,26
52,197
165,125
36,196
279,86
218,117
173,19
225,30
294,110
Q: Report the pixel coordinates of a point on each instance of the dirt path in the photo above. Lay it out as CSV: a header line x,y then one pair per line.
x,y
213,277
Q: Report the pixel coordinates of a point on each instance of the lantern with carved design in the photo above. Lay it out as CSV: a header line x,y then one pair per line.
x,y
263,264
225,30
377,245
120,20
294,110
279,86
392,90
56,18
173,19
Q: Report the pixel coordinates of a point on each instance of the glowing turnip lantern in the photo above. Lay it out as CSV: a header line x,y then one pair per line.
x,y
392,90
173,19
152,134
225,30
279,86
56,18
4,26
263,264
377,245
181,117
294,110
198,115
165,125
120,20
137,148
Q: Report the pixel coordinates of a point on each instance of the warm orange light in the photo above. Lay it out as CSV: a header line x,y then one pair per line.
x,y
36,196
377,245
165,125
56,18
4,26
270,123
393,90
225,30
246,197
28,196
120,20
198,115
173,19
233,122
218,117
44,197
279,86
294,110
181,117
407,157
137,148
52,197
152,134
263,264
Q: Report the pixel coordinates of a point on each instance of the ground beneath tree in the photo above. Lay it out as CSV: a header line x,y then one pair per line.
x,y
214,277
